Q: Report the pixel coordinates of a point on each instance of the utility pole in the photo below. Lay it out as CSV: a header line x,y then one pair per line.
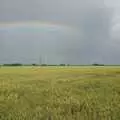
x,y
46,60
40,60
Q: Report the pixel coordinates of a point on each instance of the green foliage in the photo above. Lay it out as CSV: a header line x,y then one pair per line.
x,y
60,93
14,64
62,65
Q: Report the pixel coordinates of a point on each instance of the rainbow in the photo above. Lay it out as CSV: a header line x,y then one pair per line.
x,y
36,26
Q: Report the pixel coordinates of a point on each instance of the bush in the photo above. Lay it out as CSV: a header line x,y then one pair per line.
x,y
43,64
34,65
14,64
62,64
96,64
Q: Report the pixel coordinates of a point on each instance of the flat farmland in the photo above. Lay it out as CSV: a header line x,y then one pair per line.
x,y
60,93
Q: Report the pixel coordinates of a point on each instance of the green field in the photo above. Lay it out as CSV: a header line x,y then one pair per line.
x,y
60,93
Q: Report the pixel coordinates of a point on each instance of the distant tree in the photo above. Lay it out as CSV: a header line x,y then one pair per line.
x,y
52,65
68,64
62,64
17,64
34,64
43,64
96,64
14,64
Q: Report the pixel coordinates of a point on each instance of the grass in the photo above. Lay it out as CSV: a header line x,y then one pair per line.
x,y
60,93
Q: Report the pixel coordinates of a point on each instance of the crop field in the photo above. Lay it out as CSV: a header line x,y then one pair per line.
x,y
60,93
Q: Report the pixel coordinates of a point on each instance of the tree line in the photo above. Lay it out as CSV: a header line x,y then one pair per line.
x,y
19,64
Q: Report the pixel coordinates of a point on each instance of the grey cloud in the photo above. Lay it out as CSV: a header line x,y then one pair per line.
x,y
89,42
95,25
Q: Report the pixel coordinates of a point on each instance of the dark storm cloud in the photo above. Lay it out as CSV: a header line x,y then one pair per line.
x,y
89,41
95,25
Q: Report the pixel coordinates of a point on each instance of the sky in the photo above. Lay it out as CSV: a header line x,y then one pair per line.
x,y
60,31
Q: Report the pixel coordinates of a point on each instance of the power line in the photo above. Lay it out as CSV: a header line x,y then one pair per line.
x,y
40,60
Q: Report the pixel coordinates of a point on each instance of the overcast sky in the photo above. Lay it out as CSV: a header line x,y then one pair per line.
x,y
60,31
